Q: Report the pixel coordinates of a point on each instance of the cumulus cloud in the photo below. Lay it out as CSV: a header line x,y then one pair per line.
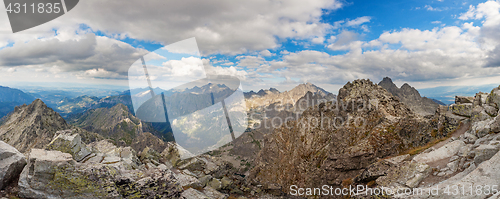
x,y
266,53
358,21
489,32
345,40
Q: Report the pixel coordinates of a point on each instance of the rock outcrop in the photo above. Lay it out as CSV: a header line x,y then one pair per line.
x,y
11,164
411,97
469,158
332,143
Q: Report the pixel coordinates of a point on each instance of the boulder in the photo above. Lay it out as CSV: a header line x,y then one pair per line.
x,y
479,114
469,138
495,125
463,99
445,151
193,194
71,143
480,99
485,152
192,164
481,128
149,155
490,110
107,153
462,109
52,174
186,180
212,193
12,163
215,183
494,98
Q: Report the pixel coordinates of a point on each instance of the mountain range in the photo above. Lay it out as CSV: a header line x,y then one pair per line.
x,y
369,134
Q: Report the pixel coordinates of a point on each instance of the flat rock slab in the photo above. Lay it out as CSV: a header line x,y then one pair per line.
x,y
445,151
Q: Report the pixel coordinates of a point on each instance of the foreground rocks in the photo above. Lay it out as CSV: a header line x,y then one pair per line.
x,y
53,174
68,168
11,164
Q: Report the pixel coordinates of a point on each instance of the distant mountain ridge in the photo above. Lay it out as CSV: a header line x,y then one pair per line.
x,y
14,95
10,98
411,97
271,96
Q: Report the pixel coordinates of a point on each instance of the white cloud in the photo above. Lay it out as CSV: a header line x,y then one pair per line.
x,y
435,22
318,40
345,40
489,32
358,21
266,53
430,8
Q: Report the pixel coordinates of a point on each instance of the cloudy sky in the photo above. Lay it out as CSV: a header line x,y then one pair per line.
x,y
266,43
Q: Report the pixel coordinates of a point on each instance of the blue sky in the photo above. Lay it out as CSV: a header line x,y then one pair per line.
x,y
266,43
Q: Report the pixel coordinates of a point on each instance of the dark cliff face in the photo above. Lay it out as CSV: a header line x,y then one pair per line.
x,y
31,126
334,142
411,97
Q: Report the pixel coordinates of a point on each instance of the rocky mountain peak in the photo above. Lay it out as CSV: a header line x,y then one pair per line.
x,y
31,126
411,97
388,85
308,87
274,90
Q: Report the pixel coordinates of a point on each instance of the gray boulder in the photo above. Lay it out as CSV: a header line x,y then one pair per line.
x,y
463,99
481,128
495,125
212,193
494,98
68,142
464,109
479,114
485,152
193,194
12,163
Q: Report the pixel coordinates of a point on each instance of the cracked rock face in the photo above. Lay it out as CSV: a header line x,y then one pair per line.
x,y
11,164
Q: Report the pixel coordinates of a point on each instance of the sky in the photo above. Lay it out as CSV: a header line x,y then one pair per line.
x,y
265,43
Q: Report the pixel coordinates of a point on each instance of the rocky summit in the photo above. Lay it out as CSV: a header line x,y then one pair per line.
x,y
31,126
334,142
411,97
